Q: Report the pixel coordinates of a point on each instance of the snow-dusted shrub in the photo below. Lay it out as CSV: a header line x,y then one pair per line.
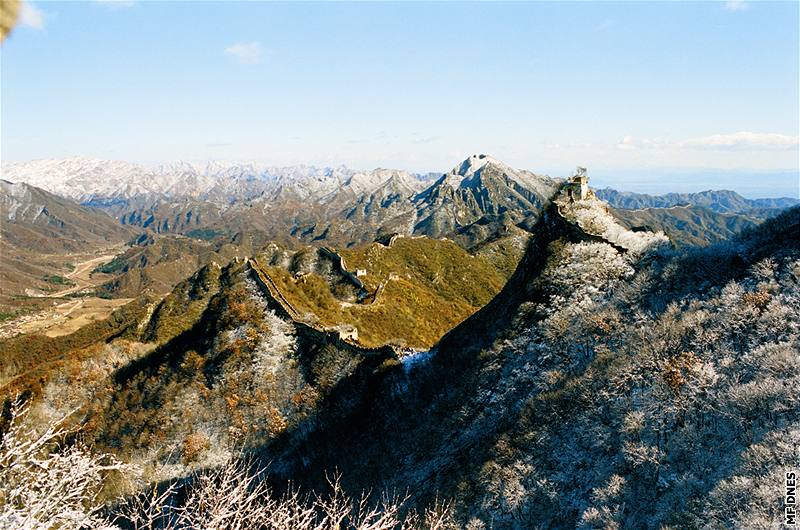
x,y
674,390
274,346
73,386
236,497
593,217
46,483
585,270
750,497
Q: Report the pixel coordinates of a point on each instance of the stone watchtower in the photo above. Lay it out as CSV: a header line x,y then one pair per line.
x,y
578,186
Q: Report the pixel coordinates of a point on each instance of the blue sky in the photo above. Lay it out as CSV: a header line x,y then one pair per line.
x,y
635,91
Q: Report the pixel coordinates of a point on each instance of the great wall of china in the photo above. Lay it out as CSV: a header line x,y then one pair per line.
x,y
578,231
339,335
576,194
348,335
338,260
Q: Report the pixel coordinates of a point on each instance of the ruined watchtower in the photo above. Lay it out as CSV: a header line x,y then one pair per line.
x,y
578,186
347,332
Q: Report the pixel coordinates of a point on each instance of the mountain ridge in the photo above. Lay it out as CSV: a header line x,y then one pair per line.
x,y
609,355
723,201
41,234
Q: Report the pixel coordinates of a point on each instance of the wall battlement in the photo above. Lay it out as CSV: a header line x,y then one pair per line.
x,y
338,259
577,189
343,333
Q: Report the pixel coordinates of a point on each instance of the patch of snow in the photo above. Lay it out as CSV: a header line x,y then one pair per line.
x,y
592,216
415,358
277,343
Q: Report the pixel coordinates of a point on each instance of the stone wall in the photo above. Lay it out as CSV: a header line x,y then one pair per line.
x,y
338,260
342,334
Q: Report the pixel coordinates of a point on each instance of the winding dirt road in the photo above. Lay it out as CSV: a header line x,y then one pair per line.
x,y
82,275
69,315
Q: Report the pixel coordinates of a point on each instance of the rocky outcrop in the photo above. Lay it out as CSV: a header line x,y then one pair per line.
x,y
592,220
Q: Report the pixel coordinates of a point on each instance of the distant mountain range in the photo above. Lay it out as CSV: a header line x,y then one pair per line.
x,y
473,203
478,201
723,201
37,228
693,218
90,180
688,225
41,221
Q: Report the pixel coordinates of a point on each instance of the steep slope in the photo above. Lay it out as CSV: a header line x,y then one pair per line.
x,y
608,375
688,225
34,219
42,237
481,191
217,365
185,383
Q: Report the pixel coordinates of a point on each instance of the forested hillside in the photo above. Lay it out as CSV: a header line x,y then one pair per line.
x,y
599,383
606,376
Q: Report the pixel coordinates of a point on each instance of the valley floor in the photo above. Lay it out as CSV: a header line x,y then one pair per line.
x,y
64,318
62,312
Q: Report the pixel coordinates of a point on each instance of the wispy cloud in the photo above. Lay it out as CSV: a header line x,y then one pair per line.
x,y
736,5
739,141
744,141
246,52
627,143
31,16
605,25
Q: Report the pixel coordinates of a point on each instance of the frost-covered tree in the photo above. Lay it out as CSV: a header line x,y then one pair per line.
x,y
46,482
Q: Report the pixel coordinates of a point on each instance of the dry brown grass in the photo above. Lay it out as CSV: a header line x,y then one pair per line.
x,y
430,287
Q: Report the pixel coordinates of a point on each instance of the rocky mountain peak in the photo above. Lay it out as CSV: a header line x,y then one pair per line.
x,y
466,174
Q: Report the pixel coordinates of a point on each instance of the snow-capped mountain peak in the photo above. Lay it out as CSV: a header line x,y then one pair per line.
x,y
464,175
81,178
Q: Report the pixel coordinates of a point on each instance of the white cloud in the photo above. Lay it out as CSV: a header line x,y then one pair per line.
x,y
736,5
246,53
627,143
31,16
739,141
743,141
